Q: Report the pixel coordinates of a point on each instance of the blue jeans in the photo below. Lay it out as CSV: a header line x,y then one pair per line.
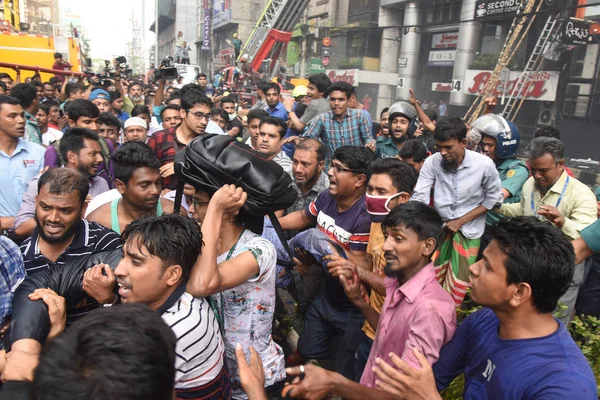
x,y
329,332
362,355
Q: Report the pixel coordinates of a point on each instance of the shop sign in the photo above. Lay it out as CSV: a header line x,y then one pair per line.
x,y
448,40
441,58
542,85
575,32
454,86
485,8
343,75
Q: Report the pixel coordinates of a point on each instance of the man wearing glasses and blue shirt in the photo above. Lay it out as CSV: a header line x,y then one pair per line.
x,y
195,116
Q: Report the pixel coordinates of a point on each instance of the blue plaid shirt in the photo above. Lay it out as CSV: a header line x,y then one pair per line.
x,y
12,273
354,130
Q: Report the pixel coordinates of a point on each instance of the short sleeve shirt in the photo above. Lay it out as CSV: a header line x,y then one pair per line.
x,y
247,311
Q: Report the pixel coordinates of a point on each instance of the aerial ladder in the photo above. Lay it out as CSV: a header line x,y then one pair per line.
x,y
272,32
518,32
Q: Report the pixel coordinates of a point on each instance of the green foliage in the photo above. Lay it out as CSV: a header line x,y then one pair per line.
x,y
350,63
489,61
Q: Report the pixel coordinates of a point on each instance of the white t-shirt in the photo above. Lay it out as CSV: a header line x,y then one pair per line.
x,y
51,135
249,309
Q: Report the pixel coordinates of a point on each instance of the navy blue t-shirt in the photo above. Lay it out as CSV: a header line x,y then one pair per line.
x,y
551,367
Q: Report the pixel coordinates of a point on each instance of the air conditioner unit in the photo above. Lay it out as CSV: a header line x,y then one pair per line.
x,y
547,114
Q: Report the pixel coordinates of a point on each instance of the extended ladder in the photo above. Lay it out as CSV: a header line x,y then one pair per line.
x,y
272,30
520,27
531,68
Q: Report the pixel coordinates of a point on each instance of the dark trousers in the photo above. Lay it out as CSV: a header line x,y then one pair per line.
x,y
591,288
329,332
362,356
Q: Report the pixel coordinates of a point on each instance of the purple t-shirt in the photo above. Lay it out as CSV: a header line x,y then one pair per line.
x,y
350,229
52,160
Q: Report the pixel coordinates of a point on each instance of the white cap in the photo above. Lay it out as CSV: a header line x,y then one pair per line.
x,y
135,121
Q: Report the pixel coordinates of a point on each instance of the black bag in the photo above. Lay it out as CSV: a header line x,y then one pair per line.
x,y
211,161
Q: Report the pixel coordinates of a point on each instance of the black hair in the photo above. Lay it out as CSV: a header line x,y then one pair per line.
x,y
73,140
140,109
262,86
201,75
175,95
192,95
73,87
227,99
356,158
123,352
256,113
432,114
414,149
450,128
58,55
49,84
54,80
300,109
3,86
343,87
37,84
4,75
545,145
274,86
174,239
539,254
170,107
62,181
110,120
548,131
418,217
222,113
26,93
383,112
81,108
135,83
131,156
321,82
404,177
114,95
45,106
4,99
275,121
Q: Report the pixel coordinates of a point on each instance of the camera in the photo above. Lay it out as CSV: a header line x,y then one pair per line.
x,y
167,70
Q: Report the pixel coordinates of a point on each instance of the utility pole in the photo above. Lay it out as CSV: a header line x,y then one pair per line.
x,y
304,44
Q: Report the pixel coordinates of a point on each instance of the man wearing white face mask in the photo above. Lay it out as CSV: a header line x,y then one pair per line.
x,y
234,127
392,182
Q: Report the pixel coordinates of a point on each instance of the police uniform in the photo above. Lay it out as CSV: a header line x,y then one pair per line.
x,y
513,174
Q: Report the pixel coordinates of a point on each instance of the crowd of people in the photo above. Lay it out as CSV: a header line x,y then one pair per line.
x,y
111,290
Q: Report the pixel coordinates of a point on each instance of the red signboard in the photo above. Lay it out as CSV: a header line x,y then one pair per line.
x,y
325,61
541,85
343,75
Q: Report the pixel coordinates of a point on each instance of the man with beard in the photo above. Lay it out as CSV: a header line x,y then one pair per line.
x,y
551,195
138,187
467,186
61,235
401,115
80,148
134,98
195,115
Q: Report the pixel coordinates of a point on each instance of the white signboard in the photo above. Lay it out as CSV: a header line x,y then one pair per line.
x,y
454,86
441,58
343,75
447,40
542,85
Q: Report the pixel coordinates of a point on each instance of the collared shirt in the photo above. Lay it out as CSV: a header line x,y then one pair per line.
x,y
578,204
315,108
89,238
513,174
12,273
260,104
278,111
97,186
304,199
353,130
16,171
475,183
386,147
591,236
166,145
418,314
32,129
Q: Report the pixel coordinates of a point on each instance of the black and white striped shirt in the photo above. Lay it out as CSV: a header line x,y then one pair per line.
x,y
89,238
199,353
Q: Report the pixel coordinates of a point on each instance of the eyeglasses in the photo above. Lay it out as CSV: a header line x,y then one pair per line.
x,y
337,168
199,202
200,115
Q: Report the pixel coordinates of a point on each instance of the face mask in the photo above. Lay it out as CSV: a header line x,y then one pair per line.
x,y
378,206
232,116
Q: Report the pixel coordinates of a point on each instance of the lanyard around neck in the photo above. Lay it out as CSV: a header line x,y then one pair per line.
x,y
562,193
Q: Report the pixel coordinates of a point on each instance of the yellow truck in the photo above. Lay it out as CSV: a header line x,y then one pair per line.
x,y
33,52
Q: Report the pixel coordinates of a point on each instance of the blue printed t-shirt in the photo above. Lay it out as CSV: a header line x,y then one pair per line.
x,y
350,229
548,368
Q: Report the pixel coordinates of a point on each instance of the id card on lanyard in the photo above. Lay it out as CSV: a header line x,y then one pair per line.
x,y
562,194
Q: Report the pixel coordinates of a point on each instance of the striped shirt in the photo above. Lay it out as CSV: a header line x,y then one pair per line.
x,y
89,238
199,353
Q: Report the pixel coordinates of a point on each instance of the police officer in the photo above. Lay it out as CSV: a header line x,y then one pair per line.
x,y
500,141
